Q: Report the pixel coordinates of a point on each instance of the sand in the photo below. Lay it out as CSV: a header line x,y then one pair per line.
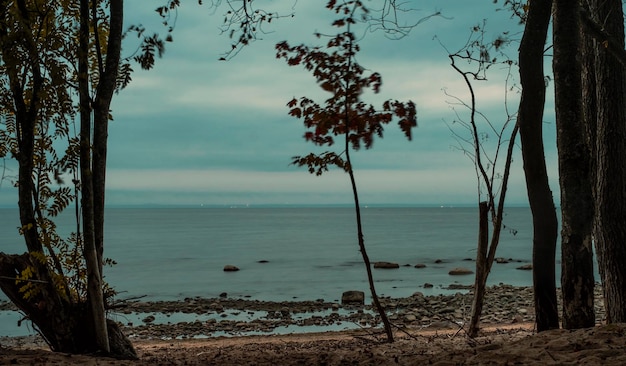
x,y
497,345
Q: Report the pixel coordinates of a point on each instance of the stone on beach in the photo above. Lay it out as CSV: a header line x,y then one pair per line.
x,y
353,297
230,268
459,271
386,265
420,265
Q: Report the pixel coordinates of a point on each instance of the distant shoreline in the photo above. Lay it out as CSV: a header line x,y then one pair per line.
x,y
295,205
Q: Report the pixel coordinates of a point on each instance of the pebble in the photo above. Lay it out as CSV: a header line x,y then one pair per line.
x,y
504,304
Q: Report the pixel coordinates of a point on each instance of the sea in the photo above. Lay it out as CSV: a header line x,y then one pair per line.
x,y
292,253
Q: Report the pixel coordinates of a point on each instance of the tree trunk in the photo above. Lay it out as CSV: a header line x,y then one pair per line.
x,y
577,278
102,104
482,270
64,325
530,119
362,249
610,171
94,276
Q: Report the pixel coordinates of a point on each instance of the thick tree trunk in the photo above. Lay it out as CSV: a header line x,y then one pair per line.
x,y
64,325
577,278
530,119
610,171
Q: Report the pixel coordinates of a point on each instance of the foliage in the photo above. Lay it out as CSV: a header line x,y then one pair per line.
x,y
343,113
39,39
243,23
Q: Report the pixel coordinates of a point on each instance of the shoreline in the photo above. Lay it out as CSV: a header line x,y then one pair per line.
x,y
193,318
428,330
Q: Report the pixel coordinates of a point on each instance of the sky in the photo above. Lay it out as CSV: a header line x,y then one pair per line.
x,y
198,131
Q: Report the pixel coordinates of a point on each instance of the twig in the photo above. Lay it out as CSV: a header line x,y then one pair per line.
x,y
21,280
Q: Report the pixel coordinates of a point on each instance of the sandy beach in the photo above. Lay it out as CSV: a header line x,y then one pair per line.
x,y
507,336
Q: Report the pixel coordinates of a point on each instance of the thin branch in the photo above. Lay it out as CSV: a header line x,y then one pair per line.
x,y
21,280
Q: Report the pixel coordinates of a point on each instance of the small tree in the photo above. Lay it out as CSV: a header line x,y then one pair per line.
x,y
343,114
477,52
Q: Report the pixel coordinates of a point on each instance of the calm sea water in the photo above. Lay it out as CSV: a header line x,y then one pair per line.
x,y
312,253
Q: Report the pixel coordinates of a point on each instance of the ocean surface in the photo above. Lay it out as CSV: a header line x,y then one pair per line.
x,y
311,252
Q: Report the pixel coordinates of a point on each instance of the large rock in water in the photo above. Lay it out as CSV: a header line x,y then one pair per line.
x,y
353,297
386,265
460,272
230,268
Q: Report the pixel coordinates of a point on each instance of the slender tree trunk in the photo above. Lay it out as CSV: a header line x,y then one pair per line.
x,y
530,119
102,103
610,171
366,260
94,276
577,278
481,268
26,118
486,252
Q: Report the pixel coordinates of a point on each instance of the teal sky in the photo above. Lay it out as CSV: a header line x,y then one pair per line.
x,y
196,130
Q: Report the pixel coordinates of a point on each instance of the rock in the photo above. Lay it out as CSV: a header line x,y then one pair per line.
x,y
230,268
447,309
439,324
459,271
148,319
458,286
223,295
501,260
428,285
438,261
386,265
216,307
353,297
525,267
420,265
263,261
410,318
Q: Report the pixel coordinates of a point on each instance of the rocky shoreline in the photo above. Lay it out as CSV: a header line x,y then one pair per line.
x,y
205,317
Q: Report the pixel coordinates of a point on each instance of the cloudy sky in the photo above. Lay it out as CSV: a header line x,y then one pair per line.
x,y
196,130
